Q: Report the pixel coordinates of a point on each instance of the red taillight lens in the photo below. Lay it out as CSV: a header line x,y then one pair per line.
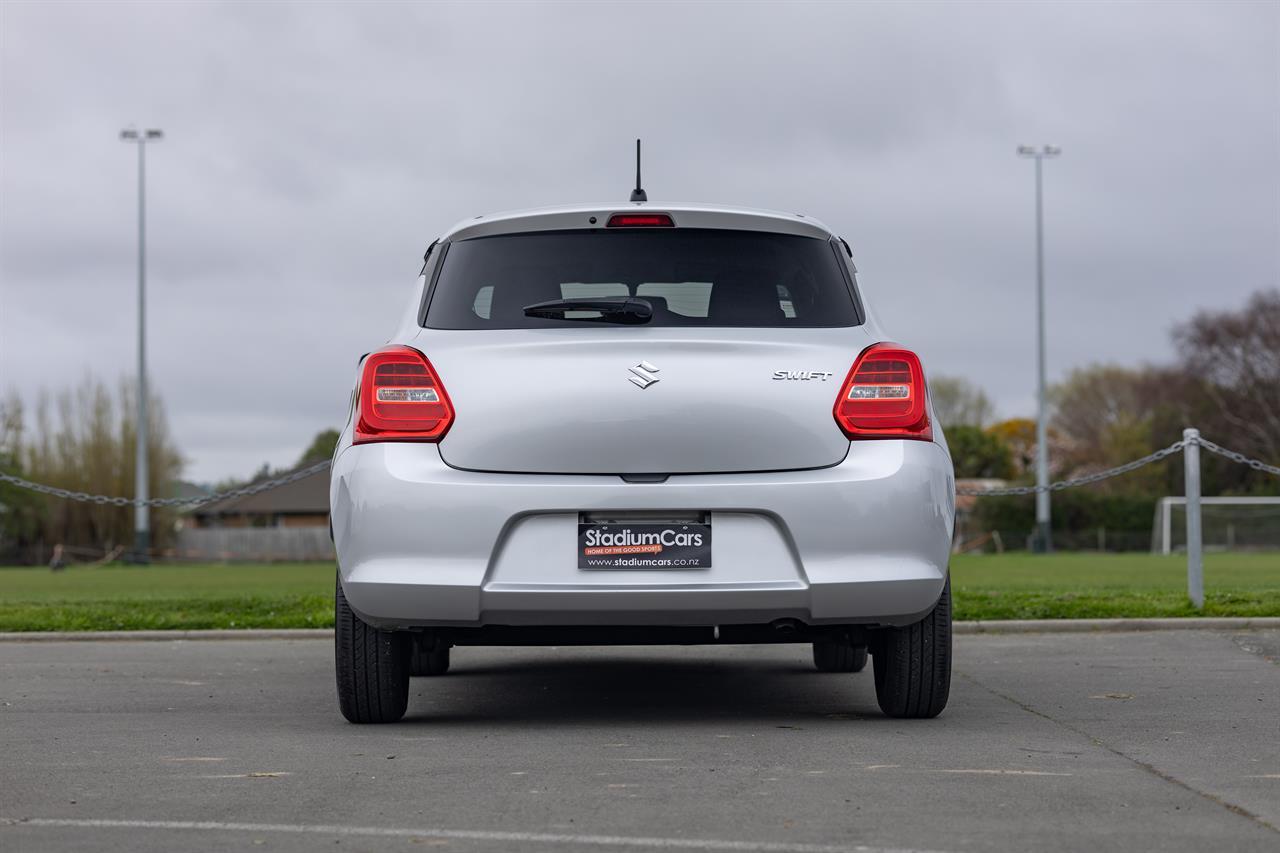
x,y
641,220
884,396
401,398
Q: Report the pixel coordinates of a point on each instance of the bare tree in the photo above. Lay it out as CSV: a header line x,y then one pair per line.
x,y
958,401
1237,355
1103,416
82,439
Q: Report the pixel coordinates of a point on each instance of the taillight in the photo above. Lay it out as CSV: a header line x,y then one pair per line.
x,y
884,396
401,398
640,220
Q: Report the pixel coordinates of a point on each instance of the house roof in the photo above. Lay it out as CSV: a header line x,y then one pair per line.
x,y
187,489
308,495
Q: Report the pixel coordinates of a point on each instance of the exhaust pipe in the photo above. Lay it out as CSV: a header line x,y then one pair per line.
x,y
786,627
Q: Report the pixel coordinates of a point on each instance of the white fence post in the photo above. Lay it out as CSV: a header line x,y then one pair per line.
x,y
1195,561
1166,526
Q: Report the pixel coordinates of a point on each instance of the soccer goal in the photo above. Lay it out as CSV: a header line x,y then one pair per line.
x,y
1228,524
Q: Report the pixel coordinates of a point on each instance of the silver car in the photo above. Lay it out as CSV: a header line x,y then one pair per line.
x,y
641,424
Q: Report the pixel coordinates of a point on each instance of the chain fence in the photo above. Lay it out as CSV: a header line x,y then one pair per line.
x,y
193,501
1176,447
1189,445
276,482
1255,464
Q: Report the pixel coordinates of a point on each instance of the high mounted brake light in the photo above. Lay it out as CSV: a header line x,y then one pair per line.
x,y
401,398
884,396
640,220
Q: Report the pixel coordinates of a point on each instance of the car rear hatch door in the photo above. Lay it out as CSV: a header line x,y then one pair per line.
x,y
735,364
643,401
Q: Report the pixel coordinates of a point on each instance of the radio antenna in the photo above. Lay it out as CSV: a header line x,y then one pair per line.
x,y
638,194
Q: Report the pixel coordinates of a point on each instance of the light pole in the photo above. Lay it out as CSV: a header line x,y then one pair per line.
x,y
141,513
1042,541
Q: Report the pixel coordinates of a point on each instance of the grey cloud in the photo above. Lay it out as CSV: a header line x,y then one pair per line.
x,y
314,150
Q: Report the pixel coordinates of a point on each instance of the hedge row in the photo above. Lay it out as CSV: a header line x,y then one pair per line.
x,y
1073,511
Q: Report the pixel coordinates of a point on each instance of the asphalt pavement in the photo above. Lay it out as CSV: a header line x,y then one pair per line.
x,y
1135,741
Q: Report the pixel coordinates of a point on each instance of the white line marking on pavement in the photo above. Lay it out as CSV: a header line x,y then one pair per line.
x,y
272,774
1006,772
458,834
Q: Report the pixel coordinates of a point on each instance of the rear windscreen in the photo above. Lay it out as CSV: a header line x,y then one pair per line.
x,y
691,277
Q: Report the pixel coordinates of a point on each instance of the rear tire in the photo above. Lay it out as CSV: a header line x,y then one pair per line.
x,y
430,656
372,667
839,657
913,664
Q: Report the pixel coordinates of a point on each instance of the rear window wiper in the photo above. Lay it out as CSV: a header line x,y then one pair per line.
x,y
629,310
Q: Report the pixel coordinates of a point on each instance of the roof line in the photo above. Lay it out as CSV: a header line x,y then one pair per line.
x,y
593,215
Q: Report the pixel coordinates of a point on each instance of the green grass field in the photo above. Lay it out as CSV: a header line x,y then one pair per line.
x,y
300,595
1103,586
131,598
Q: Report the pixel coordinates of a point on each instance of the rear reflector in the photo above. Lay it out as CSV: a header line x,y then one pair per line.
x,y
640,220
401,398
884,396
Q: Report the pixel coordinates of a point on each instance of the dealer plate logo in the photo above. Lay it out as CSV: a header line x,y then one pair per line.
x,y
642,375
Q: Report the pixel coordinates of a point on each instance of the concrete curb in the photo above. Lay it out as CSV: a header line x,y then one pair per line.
x,y
1011,626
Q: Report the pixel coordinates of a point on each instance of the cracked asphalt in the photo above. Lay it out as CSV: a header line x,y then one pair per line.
x,y
1165,740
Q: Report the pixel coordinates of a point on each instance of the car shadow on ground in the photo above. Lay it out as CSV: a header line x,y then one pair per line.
x,y
640,690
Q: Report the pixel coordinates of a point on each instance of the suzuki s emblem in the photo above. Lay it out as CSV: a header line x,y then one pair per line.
x,y
642,375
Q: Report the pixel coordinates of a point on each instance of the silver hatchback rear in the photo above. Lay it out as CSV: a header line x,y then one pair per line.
x,y
641,425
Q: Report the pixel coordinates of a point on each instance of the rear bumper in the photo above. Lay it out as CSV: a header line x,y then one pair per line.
x,y
422,544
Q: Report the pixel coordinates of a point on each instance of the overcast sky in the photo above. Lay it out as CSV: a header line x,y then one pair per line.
x,y
312,152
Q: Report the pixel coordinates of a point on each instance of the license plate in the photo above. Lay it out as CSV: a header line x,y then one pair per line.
x,y
645,545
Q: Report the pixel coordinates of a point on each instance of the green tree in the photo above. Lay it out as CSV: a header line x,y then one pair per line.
x,y
978,453
321,448
1020,436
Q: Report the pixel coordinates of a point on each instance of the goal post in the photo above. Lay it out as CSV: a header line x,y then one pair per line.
x,y
1227,523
